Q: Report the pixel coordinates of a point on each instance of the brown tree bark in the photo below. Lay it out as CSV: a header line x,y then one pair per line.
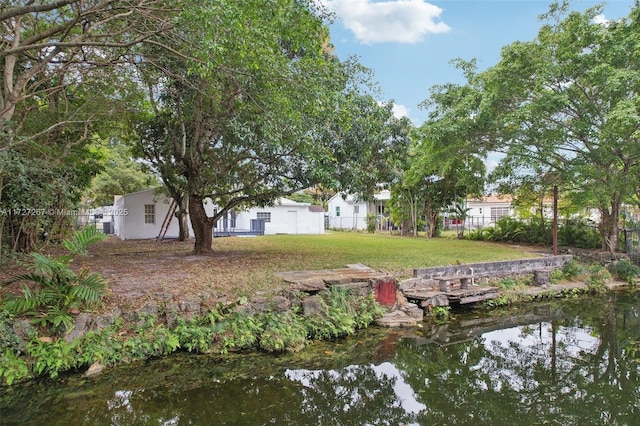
x,y
182,214
202,226
609,227
433,223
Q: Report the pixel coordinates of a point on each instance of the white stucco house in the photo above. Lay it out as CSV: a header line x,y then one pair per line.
x,y
140,215
346,212
486,211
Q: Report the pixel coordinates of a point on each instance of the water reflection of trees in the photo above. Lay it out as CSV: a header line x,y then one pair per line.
x,y
550,372
548,366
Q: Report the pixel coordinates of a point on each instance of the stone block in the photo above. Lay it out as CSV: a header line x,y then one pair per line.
x,y
414,311
397,319
436,300
357,289
542,277
417,284
311,306
82,325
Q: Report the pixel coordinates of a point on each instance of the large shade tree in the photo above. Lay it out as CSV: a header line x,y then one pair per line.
x,y
446,162
568,103
63,90
260,111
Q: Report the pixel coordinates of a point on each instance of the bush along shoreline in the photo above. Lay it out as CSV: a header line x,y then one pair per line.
x,y
49,328
223,329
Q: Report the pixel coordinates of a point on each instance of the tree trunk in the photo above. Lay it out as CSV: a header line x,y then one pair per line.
x,y
183,224
182,214
433,223
202,226
609,227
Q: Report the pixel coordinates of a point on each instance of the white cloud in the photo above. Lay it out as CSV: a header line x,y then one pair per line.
x,y
601,19
400,111
399,21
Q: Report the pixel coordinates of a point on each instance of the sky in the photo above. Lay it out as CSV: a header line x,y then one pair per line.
x,y
409,44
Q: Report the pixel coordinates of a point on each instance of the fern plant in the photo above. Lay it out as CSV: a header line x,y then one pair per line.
x,y
56,290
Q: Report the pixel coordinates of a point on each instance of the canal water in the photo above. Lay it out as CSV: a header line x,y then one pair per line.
x,y
571,362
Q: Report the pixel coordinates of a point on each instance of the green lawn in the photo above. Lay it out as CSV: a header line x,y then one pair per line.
x,y
399,255
243,266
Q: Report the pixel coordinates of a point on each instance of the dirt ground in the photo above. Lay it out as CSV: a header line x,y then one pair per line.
x,y
139,271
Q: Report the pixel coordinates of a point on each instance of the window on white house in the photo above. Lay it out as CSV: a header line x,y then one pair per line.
x,y
150,213
337,211
356,209
234,217
266,216
498,212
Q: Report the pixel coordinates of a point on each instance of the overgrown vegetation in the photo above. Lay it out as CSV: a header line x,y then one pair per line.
x,y
54,290
441,313
625,270
221,330
597,279
573,233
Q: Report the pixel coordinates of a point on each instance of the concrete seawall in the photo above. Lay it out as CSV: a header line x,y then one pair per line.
x,y
495,269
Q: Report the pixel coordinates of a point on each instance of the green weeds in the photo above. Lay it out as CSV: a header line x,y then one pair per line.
x,y
219,331
625,270
55,289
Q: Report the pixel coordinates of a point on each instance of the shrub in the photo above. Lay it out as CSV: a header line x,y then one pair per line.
x,y
508,283
372,222
55,288
499,301
342,314
578,233
441,313
572,270
557,275
597,279
625,270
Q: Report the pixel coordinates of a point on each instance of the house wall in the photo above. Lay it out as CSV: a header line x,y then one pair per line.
x,y
131,225
293,218
347,218
484,213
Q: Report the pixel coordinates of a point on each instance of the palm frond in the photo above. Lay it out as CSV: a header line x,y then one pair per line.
x,y
30,277
90,289
82,239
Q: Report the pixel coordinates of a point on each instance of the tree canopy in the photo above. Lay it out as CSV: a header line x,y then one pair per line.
x,y
564,106
263,110
65,89
567,103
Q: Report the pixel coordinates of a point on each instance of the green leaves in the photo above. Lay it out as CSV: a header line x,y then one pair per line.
x,y
565,106
54,289
82,239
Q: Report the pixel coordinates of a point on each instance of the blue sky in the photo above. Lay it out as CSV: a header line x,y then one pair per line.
x,y
409,43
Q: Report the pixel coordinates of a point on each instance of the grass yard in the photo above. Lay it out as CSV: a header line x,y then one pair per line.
x,y
139,271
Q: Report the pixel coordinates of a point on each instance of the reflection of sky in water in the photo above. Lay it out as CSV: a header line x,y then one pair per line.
x,y
403,391
575,339
538,341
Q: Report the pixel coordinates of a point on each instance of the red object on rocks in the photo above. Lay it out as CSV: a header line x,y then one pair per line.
x,y
385,291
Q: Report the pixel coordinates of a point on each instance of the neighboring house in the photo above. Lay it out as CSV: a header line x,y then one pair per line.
x,y
346,212
488,210
349,213
140,215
